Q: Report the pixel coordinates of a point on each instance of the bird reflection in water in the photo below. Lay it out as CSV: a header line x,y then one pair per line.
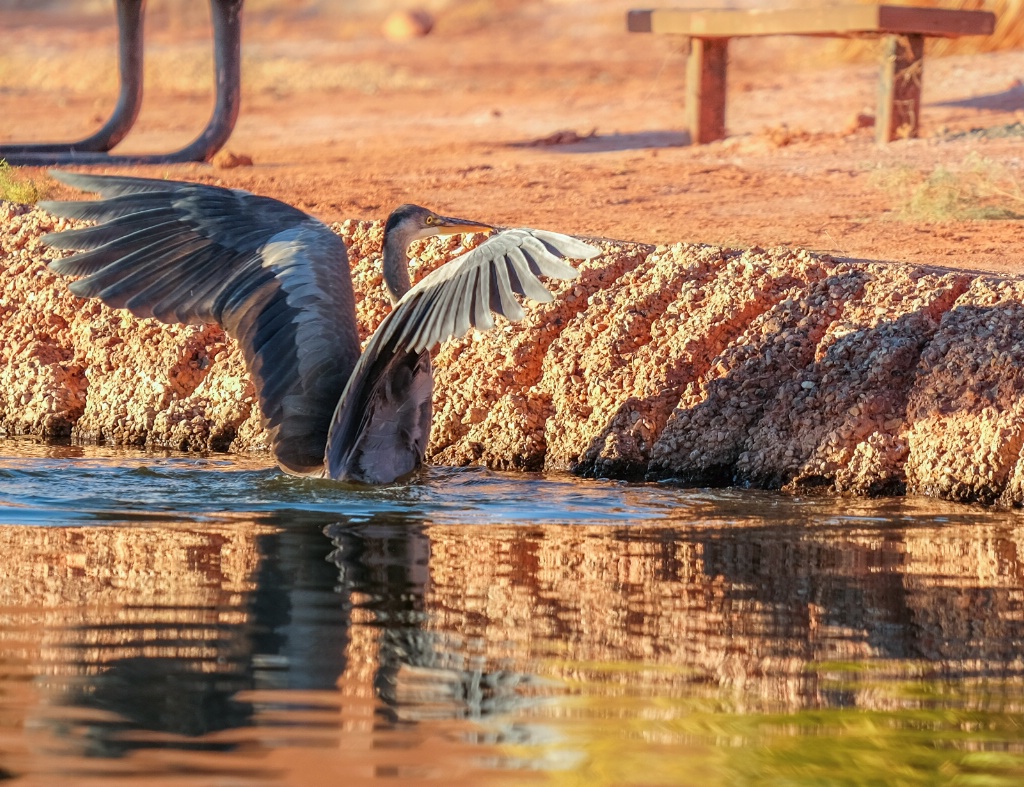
x,y
422,673
322,630
412,633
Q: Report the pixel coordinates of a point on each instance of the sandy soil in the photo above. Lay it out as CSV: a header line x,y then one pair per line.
x,y
346,124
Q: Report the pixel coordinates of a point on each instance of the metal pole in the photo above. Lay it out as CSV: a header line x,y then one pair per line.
x,y
130,15
227,42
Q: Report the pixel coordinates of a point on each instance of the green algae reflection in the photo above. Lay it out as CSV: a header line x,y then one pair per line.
x,y
916,730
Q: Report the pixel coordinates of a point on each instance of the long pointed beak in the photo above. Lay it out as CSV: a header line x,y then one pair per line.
x,y
457,226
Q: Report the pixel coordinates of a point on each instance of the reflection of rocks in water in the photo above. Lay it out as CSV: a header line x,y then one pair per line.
x,y
759,613
167,661
163,695
148,625
762,603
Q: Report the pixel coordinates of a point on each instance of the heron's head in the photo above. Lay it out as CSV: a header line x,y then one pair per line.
x,y
411,222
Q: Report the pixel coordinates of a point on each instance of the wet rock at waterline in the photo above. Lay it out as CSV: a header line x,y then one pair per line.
x,y
775,368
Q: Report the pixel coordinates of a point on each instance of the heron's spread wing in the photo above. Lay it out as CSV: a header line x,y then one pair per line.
x,y
444,305
275,278
463,293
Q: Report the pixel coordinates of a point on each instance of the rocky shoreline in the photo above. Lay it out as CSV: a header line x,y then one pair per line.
x,y
775,368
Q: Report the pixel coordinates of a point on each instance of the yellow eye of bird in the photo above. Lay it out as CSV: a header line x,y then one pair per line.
x,y
431,220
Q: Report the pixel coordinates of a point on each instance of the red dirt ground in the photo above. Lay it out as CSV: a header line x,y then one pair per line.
x,y
346,124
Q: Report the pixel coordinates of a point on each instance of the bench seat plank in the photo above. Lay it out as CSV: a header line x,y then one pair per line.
x,y
846,20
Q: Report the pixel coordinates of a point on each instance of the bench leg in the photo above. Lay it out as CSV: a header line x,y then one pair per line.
x,y
705,89
899,94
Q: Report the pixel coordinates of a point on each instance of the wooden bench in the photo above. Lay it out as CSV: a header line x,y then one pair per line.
x,y
904,29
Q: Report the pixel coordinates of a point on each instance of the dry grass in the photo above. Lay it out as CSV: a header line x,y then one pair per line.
x,y
1009,32
15,187
980,189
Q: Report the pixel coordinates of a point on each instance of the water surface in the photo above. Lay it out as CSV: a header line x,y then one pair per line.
x,y
173,619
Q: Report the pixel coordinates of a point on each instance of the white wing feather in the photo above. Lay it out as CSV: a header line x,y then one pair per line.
x,y
442,306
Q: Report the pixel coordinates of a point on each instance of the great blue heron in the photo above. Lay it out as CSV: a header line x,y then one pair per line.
x,y
276,280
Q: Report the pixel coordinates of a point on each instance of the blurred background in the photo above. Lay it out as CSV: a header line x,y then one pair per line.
x,y
359,17
351,107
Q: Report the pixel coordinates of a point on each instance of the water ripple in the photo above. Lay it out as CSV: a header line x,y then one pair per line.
x,y
196,619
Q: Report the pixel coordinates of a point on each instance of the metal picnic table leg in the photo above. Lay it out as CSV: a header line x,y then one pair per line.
x,y
130,15
227,39
227,51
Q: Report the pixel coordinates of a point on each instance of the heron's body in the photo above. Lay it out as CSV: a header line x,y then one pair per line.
x,y
277,281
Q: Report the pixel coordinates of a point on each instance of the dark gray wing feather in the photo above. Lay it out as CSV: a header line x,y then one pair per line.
x,y
378,432
275,278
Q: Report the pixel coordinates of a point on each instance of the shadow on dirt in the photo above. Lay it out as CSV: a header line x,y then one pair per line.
x,y
573,142
1004,101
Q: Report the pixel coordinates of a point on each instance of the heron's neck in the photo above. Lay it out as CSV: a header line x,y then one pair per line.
x,y
396,267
